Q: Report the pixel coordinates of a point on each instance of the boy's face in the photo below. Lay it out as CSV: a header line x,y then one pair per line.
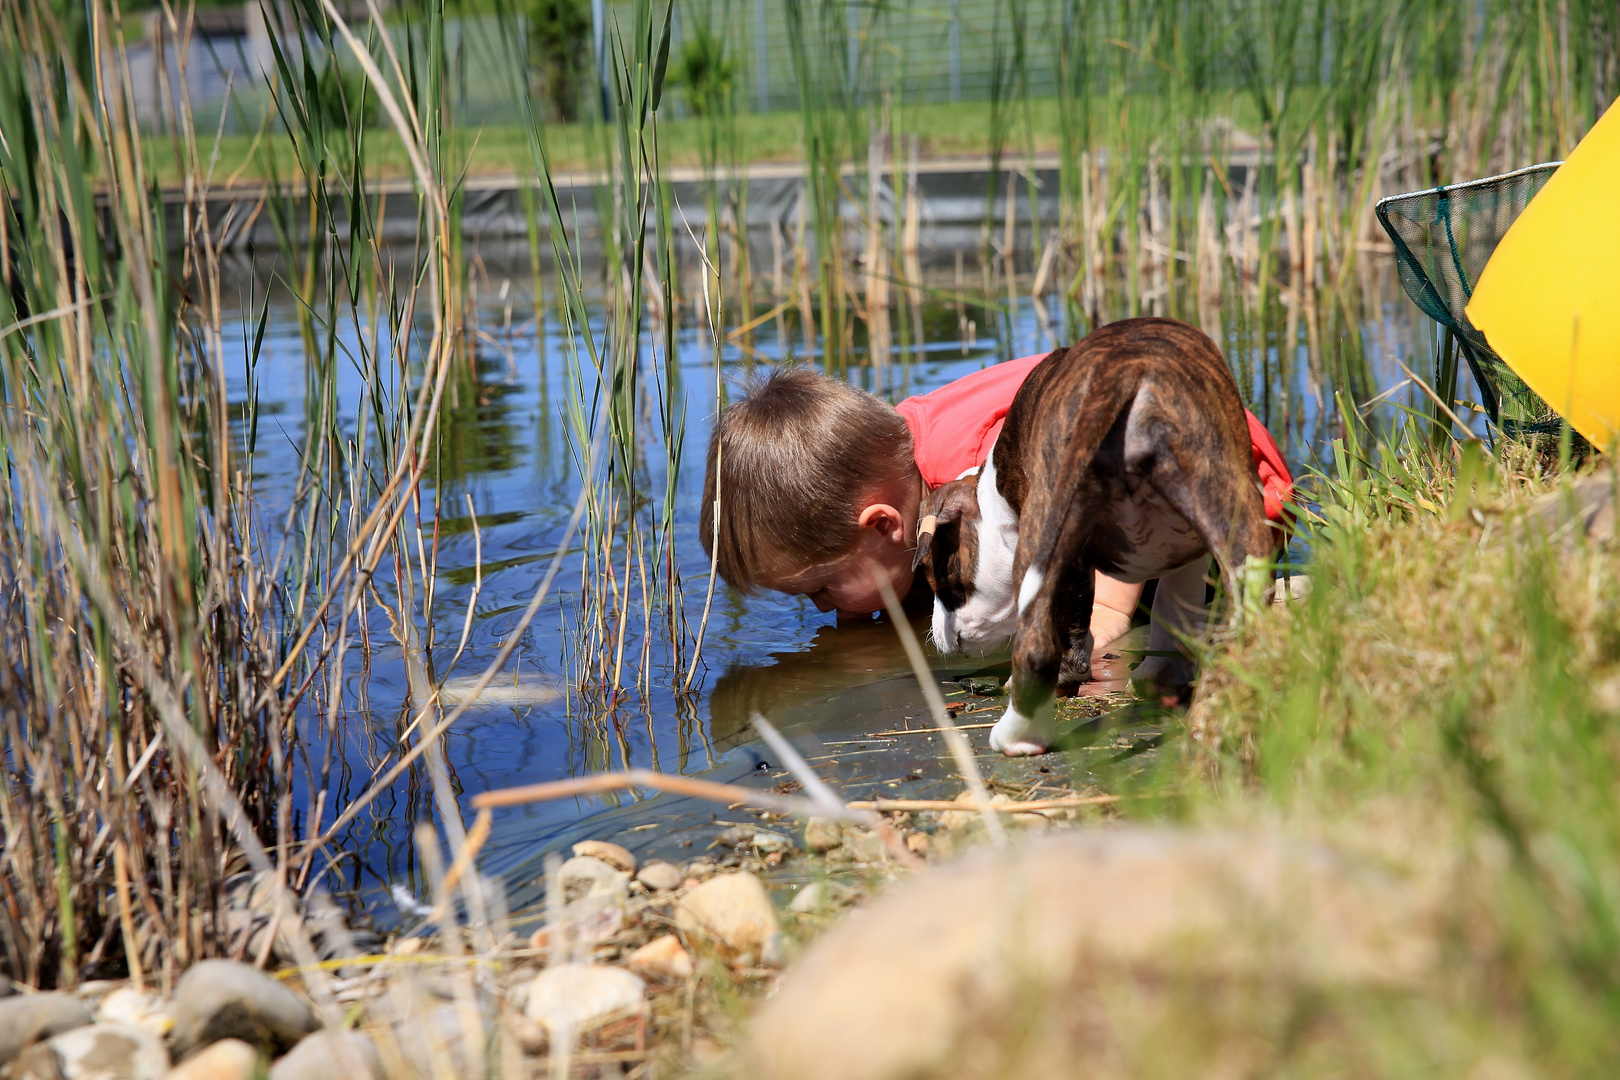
x,y
848,584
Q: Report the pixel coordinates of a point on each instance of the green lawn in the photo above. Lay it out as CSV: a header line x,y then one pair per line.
x,y
944,130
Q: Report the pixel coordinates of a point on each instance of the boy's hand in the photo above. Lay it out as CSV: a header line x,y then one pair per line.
x,y
1111,612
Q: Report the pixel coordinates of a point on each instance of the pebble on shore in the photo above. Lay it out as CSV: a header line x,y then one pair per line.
x,y
661,876
28,1018
220,999
573,997
612,854
663,959
95,1052
228,1059
734,912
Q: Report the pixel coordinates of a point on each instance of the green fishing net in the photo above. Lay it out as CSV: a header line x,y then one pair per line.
x,y
1443,239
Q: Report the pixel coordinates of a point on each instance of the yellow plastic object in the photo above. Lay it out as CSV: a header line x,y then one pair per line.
x,y
1549,299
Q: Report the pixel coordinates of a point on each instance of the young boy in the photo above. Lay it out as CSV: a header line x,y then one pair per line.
x,y
820,485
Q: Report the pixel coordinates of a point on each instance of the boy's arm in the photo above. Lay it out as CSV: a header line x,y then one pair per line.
x,y
1114,604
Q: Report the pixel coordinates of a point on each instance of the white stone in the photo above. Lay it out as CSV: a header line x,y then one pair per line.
x,y
820,897
733,911
107,1052
330,1055
765,842
228,1059
822,834
572,997
587,877
127,1005
663,958
615,856
661,876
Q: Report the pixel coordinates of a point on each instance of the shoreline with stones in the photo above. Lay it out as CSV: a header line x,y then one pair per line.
x,y
639,968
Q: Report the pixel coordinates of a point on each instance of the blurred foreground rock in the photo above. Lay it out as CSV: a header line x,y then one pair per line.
x,y
25,1018
1125,952
220,999
228,1059
572,997
734,912
96,1052
330,1055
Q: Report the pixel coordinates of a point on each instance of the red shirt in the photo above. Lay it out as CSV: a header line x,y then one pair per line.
x,y
954,427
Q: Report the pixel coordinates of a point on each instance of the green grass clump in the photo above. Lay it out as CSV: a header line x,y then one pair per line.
x,y
1448,696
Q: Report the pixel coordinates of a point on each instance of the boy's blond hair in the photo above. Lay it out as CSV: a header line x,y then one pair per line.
x,y
795,457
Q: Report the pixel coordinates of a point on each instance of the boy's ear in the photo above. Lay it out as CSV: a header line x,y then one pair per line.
x,y
885,518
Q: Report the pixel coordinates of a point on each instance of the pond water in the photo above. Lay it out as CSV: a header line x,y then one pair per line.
x,y
829,686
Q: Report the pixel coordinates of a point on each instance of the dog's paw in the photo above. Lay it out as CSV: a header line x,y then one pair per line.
x,y
1024,748
1017,735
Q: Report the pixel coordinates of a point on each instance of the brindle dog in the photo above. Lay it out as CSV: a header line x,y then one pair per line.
x,y
1128,453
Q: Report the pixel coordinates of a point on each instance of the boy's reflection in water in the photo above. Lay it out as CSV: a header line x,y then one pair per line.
x,y
792,687
789,687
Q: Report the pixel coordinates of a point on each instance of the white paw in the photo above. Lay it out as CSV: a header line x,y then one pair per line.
x,y
1017,735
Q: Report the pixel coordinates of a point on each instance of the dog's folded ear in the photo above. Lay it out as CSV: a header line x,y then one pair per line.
x,y
925,537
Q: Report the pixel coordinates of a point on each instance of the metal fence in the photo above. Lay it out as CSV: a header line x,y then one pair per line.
x,y
929,50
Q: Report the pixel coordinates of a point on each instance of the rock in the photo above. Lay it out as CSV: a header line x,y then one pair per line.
x,y
435,1043
960,819
127,1005
822,834
701,869
530,1036
664,959
93,991
587,877
587,923
612,854
96,1052
771,843
1076,954
660,876
733,911
866,846
775,953
220,999
330,1055
27,1018
572,997
1584,508
820,897
735,837
228,1059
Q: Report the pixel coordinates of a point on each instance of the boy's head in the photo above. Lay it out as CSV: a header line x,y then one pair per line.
x,y
818,492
